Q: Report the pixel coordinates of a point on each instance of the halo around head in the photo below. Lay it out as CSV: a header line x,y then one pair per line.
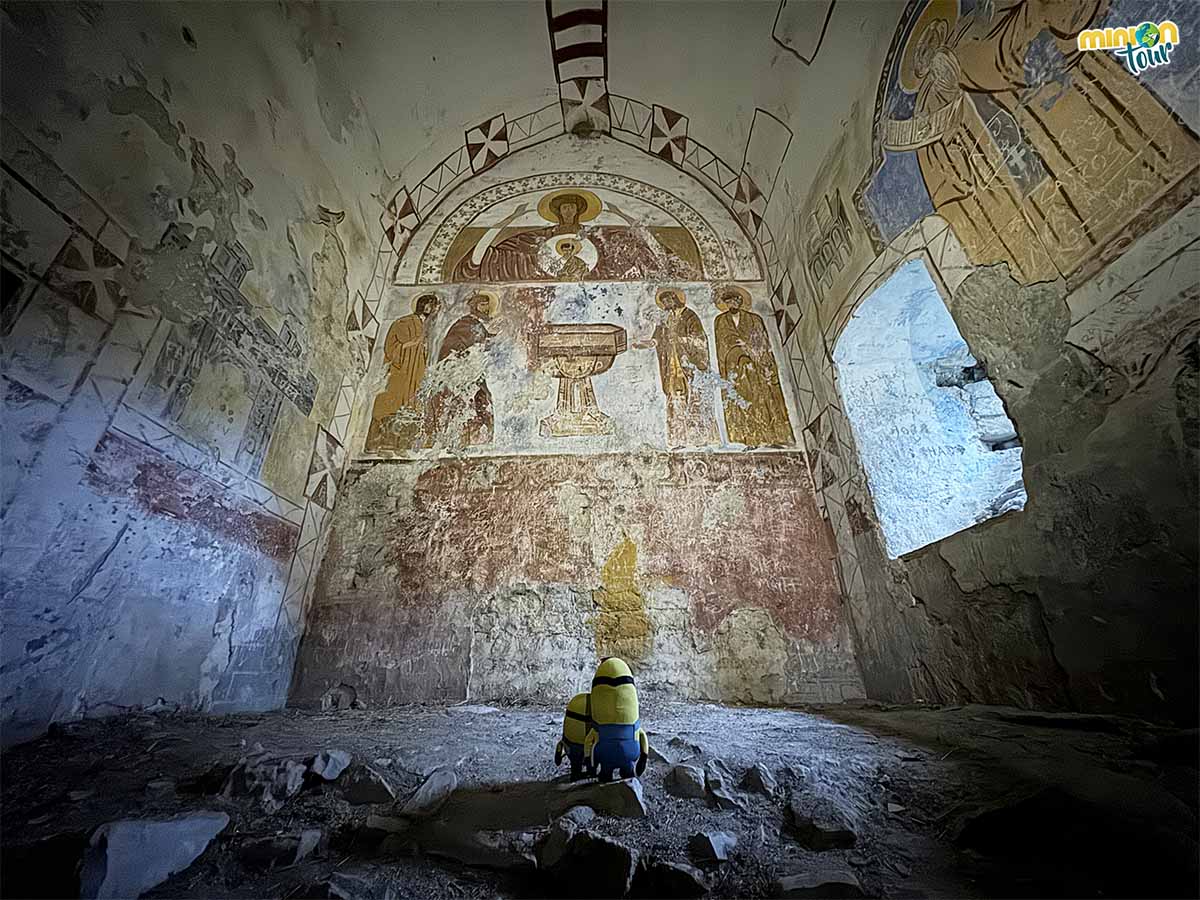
x,y
428,295
492,297
567,247
658,298
731,289
589,204
947,11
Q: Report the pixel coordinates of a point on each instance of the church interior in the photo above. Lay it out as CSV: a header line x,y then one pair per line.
x,y
571,448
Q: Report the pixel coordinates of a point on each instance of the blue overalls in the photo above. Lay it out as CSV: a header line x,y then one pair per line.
x,y
617,747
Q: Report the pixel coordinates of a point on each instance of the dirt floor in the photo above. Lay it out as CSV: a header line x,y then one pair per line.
x,y
909,802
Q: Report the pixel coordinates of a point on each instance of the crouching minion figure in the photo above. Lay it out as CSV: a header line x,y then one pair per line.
x,y
576,723
615,739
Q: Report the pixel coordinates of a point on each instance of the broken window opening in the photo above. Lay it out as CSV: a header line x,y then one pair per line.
x,y
938,448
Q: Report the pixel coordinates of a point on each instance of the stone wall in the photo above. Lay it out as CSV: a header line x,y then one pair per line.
x,y
504,523
507,577
175,359
1087,328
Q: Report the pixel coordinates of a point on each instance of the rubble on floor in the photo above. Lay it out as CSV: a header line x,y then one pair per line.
x,y
465,802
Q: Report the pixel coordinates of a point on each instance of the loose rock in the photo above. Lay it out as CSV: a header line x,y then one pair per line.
x,y
684,781
579,815
712,846
659,756
620,798
128,857
485,849
553,845
824,883
362,784
432,794
685,748
717,780
818,825
595,866
273,782
329,764
279,850
759,780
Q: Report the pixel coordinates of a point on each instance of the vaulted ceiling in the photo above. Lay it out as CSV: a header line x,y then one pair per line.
x,y
344,104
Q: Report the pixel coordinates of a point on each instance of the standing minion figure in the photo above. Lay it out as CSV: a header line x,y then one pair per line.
x,y
576,722
615,739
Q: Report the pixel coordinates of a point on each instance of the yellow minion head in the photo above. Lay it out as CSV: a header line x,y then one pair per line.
x,y
577,719
614,694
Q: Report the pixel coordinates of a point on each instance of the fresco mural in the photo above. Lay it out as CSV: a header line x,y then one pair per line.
x,y
755,412
573,234
563,368
193,377
406,354
573,354
1036,153
571,226
468,331
681,345
711,570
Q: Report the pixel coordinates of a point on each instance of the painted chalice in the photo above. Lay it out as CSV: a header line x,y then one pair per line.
x,y
574,354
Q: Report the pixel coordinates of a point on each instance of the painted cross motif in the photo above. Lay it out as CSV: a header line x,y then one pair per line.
x,y
400,220
361,320
87,274
585,99
749,204
325,469
487,143
824,455
668,135
787,307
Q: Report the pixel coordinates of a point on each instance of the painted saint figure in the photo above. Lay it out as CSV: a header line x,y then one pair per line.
x,y
573,268
682,348
515,258
756,415
395,420
1034,151
571,245
467,420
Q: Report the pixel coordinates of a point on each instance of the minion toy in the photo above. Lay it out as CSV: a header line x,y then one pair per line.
x,y
615,739
576,723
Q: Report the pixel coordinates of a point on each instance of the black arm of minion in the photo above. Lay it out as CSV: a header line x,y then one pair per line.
x,y
559,750
644,755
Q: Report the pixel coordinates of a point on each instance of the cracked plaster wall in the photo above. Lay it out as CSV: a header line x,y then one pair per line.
x,y
177,257
501,566
1086,599
505,578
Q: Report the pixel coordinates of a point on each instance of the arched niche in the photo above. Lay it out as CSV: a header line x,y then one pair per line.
x,y
646,220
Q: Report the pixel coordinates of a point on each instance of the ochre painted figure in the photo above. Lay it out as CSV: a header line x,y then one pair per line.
x,y
757,416
406,355
1037,167
615,739
682,348
472,413
576,723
